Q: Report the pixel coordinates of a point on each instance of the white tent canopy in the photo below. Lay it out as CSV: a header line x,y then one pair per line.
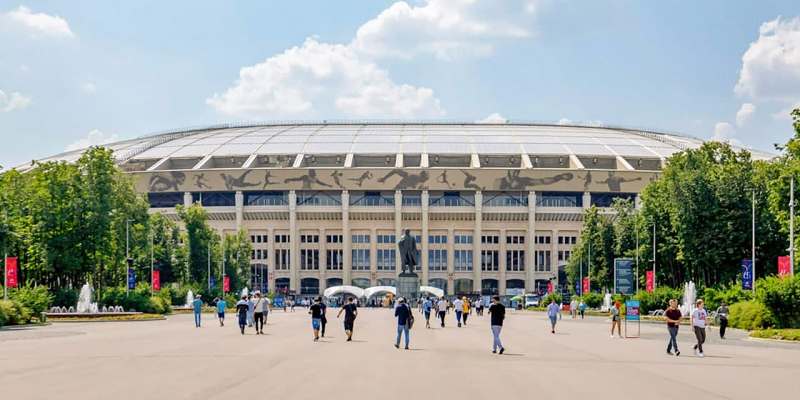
x,y
353,290
371,291
432,290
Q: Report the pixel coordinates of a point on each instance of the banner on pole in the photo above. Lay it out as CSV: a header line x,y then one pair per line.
x,y
649,281
784,266
212,282
550,287
226,284
578,288
747,274
131,279
623,276
11,272
586,287
156,280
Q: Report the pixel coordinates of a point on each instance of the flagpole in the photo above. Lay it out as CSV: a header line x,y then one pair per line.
x,y
753,275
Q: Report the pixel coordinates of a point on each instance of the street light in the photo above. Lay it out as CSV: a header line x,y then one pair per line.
x,y
8,231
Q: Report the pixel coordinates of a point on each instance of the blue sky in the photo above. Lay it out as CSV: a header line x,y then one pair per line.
x,y
79,73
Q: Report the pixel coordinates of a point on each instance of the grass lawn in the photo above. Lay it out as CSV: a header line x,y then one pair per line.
x,y
781,334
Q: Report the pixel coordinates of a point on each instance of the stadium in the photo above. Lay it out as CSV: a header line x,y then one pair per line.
x,y
495,208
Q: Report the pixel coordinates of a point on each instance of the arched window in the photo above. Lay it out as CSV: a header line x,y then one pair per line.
x,y
309,286
462,286
489,287
439,283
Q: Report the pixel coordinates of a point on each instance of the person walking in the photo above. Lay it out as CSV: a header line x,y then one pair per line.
x,y
267,307
316,318
699,317
582,308
197,307
323,321
241,311
350,313
250,311
458,307
404,321
427,305
673,316
478,307
441,309
573,308
722,314
615,319
466,309
221,305
497,311
552,313
258,313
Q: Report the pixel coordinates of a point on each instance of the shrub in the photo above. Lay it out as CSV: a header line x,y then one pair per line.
x,y
136,300
593,300
750,315
551,296
36,299
13,312
730,295
658,300
65,297
780,296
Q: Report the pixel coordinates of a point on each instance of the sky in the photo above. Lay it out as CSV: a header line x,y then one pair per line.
x,y
74,74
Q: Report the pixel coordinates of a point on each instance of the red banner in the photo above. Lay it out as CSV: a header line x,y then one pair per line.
x,y
226,284
11,272
650,279
586,287
784,266
156,280
550,287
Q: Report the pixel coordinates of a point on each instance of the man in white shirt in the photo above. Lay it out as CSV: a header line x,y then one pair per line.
x,y
458,307
441,309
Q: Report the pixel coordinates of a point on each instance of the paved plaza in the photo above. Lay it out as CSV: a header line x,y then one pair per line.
x,y
173,360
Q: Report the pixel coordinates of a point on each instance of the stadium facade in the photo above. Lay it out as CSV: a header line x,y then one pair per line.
x,y
496,208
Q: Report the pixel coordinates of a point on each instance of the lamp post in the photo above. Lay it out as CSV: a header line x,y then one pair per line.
x,y
636,228
208,276
128,261
753,249
791,225
152,251
654,255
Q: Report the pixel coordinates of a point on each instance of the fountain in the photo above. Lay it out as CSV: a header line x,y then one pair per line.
x,y
189,299
86,307
689,298
85,304
606,302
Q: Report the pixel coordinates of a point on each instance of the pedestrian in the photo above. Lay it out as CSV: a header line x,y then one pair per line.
x,y
582,308
722,314
316,318
615,319
573,308
250,311
350,314
197,307
267,307
458,307
221,304
466,309
552,313
241,312
699,317
324,320
673,316
427,305
291,305
498,313
441,309
479,307
404,321
258,313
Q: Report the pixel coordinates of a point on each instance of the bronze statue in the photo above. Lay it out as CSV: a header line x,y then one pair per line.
x,y
408,252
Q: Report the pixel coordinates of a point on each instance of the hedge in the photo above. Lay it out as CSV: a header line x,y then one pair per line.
x,y
750,315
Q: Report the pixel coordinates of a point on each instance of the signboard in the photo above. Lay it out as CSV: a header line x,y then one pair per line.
x,y
515,292
156,280
131,279
586,287
650,281
784,266
632,315
11,272
226,284
623,276
279,302
747,274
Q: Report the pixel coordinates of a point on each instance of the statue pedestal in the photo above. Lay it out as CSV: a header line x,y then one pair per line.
x,y
408,286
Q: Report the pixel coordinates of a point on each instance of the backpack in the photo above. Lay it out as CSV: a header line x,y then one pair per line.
x,y
410,320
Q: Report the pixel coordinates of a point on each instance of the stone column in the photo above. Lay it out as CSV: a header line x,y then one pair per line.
x,y
530,258
398,228
187,199
587,200
239,210
554,256
294,243
271,259
347,244
323,260
373,255
501,280
476,243
424,239
451,255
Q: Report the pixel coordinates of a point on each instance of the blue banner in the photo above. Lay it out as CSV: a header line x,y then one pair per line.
x,y
213,282
278,302
131,279
578,288
747,274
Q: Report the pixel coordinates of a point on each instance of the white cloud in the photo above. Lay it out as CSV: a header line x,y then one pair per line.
x,y
723,132
40,23
89,88
771,65
13,101
94,138
745,113
321,77
445,28
786,113
493,118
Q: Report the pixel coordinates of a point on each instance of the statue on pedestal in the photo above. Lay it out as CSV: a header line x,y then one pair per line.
x,y
408,253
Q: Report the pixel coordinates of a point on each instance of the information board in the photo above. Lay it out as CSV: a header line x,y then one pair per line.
x,y
623,276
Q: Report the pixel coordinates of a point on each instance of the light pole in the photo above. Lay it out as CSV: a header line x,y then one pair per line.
x,y
636,228
152,251
791,225
654,255
7,232
223,266
753,249
208,276
128,261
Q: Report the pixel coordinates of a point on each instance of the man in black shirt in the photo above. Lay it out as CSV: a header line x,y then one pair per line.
x,y
316,317
498,312
350,313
